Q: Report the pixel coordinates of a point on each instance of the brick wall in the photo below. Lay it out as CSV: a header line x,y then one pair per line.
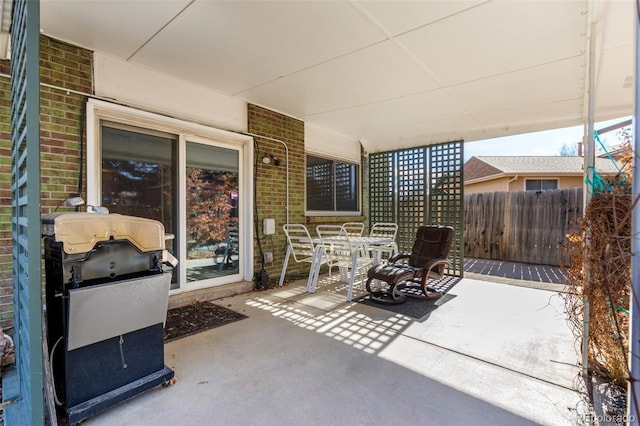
x,y
62,66
61,118
271,187
271,183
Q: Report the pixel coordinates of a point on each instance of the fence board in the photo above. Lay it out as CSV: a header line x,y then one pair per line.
x,y
495,225
524,226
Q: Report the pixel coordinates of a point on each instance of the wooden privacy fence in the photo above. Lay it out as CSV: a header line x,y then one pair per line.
x,y
524,226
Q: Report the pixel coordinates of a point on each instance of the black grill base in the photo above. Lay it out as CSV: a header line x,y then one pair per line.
x,y
99,368
95,376
100,403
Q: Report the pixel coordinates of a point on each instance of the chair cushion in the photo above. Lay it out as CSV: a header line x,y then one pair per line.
x,y
432,242
392,274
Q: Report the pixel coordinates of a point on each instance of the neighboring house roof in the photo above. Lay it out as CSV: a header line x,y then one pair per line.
x,y
484,167
615,151
475,168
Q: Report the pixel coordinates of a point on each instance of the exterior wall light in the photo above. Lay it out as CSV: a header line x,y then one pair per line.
x,y
271,159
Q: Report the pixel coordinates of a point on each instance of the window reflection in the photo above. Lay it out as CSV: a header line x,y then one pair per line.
x,y
138,177
212,212
332,185
138,171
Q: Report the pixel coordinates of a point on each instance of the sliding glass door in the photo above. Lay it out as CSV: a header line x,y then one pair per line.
x,y
191,185
212,223
139,172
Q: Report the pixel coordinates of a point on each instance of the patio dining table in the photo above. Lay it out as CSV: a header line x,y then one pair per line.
x,y
362,244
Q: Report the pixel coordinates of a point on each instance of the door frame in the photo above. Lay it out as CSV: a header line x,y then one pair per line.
x,y
98,110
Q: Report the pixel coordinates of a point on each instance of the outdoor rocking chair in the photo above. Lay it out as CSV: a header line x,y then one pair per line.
x,y
412,271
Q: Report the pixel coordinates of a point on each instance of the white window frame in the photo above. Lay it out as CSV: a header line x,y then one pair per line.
x,y
98,111
333,213
541,179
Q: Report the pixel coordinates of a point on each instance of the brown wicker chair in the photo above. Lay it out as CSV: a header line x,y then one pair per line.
x,y
411,271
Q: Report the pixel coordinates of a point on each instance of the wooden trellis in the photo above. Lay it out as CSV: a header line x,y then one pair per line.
x,y
419,186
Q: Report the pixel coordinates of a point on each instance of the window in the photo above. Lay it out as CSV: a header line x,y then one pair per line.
x,y
540,184
332,185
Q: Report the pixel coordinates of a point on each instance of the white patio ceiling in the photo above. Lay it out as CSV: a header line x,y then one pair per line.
x,y
391,74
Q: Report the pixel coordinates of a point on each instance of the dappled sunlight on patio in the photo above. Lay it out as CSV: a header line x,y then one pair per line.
x,y
342,321
344,325
331,284
498,343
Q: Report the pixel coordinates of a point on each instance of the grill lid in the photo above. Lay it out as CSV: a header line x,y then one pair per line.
x,y
80,231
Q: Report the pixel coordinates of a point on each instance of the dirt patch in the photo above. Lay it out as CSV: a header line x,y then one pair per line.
x,y
194,318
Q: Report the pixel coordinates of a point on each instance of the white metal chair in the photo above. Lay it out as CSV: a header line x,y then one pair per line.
x,y
336,249
385,230
353,229
300,245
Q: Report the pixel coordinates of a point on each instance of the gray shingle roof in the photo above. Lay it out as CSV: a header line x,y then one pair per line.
x,y
538,165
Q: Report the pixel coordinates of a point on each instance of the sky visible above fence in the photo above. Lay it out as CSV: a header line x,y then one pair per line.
x,y
547,143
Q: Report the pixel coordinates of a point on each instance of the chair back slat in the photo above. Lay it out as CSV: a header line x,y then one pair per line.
x,y
353,229
384,230
335,243
299,241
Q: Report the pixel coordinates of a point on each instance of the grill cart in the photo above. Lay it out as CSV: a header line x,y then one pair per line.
x,y
106,303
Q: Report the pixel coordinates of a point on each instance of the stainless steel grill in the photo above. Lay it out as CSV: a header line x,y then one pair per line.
x,y
106,303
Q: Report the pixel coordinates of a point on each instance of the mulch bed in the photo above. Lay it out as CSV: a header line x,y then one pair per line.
x,y
200,316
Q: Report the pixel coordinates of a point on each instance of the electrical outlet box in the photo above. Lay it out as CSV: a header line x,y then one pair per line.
x,y
268,257
268,226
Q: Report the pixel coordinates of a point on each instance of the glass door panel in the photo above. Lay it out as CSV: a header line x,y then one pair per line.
x,y
212,226
139,176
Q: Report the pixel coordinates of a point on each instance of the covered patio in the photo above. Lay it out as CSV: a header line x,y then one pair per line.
x,y
492,354
248,93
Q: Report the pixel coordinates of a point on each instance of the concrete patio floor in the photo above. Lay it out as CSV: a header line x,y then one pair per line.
x,y
495,354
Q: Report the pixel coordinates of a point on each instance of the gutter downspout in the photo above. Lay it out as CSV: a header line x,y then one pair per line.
x,y
286,160
513,179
